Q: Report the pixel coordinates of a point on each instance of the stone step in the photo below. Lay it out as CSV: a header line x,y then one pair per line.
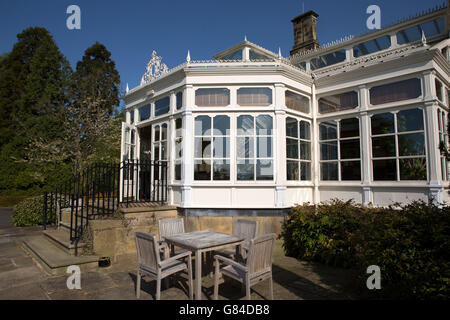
x,y
147,208
54,260
61,238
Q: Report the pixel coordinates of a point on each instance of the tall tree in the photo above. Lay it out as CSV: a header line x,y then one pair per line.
x,y
34,79
91,124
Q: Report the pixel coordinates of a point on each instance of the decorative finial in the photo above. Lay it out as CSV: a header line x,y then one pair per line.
x,y
188,57
424,39
279,53
245,38
127,88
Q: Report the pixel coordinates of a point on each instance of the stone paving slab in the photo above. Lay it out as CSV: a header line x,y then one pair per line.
x,y
21,278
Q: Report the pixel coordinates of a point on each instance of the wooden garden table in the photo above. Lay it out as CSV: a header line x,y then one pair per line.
x,y
203,241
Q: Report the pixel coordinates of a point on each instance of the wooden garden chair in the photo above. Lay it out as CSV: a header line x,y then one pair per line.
x,y
168,227
242,229
150,264
258,266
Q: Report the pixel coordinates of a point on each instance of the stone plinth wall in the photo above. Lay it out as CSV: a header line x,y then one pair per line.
x,y
115,238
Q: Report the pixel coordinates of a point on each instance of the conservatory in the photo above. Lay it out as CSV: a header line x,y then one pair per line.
x,y
252,132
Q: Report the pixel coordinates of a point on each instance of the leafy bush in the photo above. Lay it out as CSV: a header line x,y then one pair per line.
x,y
30,212
409,243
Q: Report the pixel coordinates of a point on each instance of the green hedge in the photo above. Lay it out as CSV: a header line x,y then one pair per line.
x,y
30,212
410,243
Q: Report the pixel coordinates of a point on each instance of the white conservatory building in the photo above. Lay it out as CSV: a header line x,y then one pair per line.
x,y
252,131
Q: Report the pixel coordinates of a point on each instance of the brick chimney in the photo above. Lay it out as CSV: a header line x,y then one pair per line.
x,y
305,32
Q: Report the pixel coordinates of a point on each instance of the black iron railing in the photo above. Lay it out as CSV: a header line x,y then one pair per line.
x,y
101,188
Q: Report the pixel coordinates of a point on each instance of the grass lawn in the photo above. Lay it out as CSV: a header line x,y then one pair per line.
x,y
9,201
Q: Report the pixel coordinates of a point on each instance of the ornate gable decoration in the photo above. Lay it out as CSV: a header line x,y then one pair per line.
x,y
155,69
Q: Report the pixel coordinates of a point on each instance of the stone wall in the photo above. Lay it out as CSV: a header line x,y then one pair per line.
x,y
115,238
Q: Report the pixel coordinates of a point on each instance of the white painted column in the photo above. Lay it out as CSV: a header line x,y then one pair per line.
x,y
315,146
187,176
432,137
366,163
279,149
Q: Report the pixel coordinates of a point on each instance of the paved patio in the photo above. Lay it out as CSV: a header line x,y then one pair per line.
x,y
22,278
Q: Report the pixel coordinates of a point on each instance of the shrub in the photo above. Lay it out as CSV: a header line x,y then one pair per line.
x,y
409,243
30,212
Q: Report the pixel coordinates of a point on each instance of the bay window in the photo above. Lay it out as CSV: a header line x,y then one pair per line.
x,y
398,146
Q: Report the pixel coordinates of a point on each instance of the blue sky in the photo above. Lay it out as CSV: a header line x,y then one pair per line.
x,y
132,29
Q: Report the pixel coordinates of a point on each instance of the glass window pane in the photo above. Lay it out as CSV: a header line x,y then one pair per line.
x,y
202,148
177,170
291,127
351,170
411,144
297,102
396,91
221,147
253,55
157,133
245,125
254,96
264,147
245,147
132,116
164,151
292,170
264,170
305,171
382,123
221,170
384,170
221,126
202,170
438,86
410,120
164,131
236,55
329,171
292,148
413,169
144,112
350,149
328,59
178,149
162,106
305,130
305,150
245,170
349,128
338,102
328,130
383,146
178,127
179,98
202,126
212,97
371,46
264,125
328,150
